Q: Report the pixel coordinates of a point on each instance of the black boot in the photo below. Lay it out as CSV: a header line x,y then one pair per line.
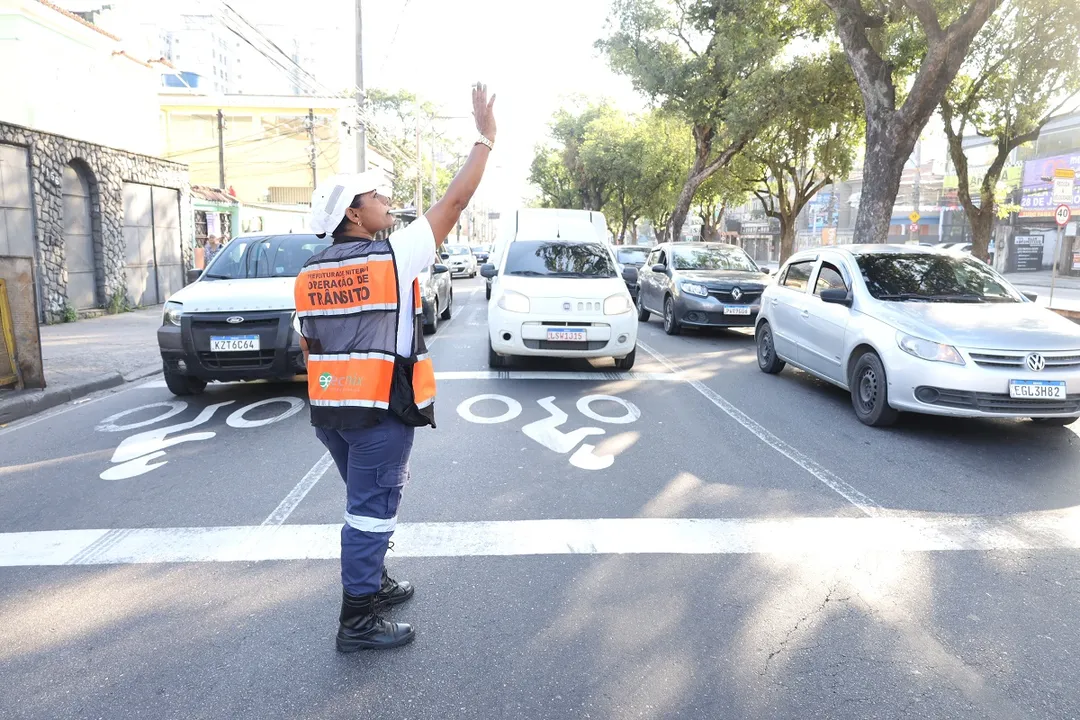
x,y
362,629
393,592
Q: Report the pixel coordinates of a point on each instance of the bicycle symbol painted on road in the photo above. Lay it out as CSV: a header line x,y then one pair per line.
x,y
547,432
140,453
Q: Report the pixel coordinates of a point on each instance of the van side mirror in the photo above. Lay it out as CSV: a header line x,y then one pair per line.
x,y
1031,296
193,274
630,275
659,268
488,270
440,269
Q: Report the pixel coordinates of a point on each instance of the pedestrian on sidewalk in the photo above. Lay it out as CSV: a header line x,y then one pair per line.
x,y
370,379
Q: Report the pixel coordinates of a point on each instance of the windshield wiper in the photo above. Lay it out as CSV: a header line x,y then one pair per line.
x,y
209,276
577,275
528,273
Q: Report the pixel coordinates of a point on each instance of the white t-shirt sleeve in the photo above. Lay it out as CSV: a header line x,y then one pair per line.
x,y
414,249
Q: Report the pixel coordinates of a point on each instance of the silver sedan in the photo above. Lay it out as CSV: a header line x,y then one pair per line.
x,y
909,328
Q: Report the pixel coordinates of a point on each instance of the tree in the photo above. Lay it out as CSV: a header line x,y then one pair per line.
x,y
668,156
708,61
1022,70
723,190
550,175
810,142
885,46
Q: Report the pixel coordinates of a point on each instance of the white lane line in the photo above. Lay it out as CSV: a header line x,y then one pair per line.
x,y
607,376
832,481
831,536
544,375
285,507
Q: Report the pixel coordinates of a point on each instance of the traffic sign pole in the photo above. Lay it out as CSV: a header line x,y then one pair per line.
x,y
1061,216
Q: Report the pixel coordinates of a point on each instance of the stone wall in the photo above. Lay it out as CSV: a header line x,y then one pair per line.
x,y
106,169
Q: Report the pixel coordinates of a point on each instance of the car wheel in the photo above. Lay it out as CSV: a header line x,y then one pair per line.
x,y
1054,421
767,359
183,384
449,307
431,327
643,315
870,392
627,362
495,360
671,325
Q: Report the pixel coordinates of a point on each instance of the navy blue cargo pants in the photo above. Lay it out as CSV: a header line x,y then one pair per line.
x,y
375,465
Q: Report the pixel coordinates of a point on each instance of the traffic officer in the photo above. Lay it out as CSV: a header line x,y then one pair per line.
x,y
370,379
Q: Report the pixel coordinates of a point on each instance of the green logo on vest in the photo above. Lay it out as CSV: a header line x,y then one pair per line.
x,y
325,379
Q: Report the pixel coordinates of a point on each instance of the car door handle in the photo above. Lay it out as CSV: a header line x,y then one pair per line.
x,y
806,313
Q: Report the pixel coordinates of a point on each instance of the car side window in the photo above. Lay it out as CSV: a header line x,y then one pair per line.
x,y
829,278
662,259
798,275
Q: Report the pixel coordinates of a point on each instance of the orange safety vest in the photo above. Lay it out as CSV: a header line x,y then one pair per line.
x,y
347,303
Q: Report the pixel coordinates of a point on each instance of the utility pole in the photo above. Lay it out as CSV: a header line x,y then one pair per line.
x,y
312,149
221,148
918,180
419,169
361,138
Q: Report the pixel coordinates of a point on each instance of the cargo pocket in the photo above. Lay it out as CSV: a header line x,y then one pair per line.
x,y
391,480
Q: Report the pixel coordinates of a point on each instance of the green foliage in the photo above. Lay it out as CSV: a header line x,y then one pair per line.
x,y
119,303
68,314
1022,69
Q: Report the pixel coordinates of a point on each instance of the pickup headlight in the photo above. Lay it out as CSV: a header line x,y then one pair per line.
x,y
694,289
926,350
172,313
514,302
617,304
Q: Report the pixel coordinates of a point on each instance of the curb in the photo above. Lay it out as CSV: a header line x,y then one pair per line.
x,y
31,402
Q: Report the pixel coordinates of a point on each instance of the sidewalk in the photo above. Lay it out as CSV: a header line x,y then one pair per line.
x,y
1042,279
87,356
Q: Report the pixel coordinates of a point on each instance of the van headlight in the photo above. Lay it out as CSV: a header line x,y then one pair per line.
x,y
172,313
694,289
514,302
617,304
927,350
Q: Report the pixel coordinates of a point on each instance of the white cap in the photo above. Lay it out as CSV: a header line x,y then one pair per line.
x,y
335,194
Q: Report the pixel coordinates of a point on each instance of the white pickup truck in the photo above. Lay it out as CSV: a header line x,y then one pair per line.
x,y
236,321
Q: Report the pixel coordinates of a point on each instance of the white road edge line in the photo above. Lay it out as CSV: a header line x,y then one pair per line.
x,y
832,481
788,537
285,507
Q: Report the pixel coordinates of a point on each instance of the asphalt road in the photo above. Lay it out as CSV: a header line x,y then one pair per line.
x,y
700,541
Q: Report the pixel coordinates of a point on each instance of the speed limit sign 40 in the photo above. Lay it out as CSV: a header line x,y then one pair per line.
x,y
1062,215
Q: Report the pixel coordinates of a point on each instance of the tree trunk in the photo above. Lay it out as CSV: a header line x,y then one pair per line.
x,y
700,171
787,238
982,227
888,146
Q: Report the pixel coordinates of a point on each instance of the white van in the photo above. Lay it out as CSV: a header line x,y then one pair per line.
x,y
556,291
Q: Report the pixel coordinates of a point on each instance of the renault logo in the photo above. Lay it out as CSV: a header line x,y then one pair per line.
x,y
234,320
1035,362
736,294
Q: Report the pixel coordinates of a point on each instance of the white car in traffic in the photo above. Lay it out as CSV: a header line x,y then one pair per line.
x,y
460,260
560,296
908,328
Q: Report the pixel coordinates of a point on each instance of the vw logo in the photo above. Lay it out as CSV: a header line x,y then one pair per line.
x,y
566,307
1035,362
234,320
736,294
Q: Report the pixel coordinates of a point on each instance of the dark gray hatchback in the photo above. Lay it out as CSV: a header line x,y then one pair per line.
x,y
700,285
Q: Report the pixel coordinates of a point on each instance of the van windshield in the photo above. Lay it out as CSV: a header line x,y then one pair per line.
x,y
559,259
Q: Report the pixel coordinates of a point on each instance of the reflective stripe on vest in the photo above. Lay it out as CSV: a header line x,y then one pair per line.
x,y
423,381
418,302
346,287
350,380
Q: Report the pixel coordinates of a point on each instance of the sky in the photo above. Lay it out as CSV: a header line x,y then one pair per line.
x,y
531,53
